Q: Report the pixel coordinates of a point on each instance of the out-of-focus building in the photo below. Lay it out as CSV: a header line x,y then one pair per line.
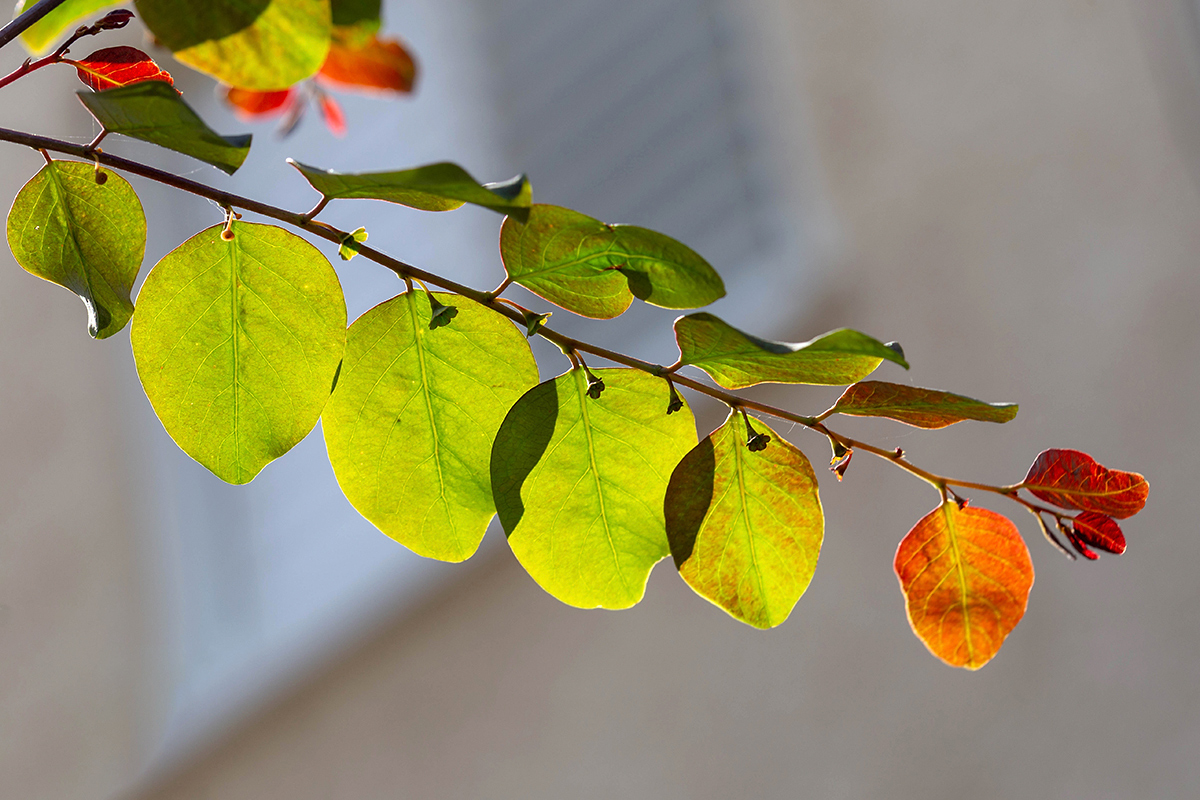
x,y
1010,190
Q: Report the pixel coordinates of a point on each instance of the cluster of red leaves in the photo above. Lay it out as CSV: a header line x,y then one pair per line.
x,y
966,572
112,67
356,63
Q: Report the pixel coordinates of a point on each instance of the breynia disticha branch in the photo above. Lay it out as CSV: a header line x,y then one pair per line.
x,y
595,475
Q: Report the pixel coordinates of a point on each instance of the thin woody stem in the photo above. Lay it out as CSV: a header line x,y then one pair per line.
x,y
569,345
24,22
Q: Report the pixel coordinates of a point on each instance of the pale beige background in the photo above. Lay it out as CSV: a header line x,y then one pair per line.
x,y
1010,189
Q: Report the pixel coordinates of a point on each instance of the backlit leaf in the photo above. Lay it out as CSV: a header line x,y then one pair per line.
x,y
921,408
579,483
966,575
87,237
745,526
368,63
111,67
256,44
595,269
1072,479
332,114
357,12
735,359
435,187
250,104
1097,530
49,29
237,343
154,112
410,426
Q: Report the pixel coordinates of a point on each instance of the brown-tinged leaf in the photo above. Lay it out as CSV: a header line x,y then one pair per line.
x,y
966,575
1097,530
1073,479
111,67
921,408
373,63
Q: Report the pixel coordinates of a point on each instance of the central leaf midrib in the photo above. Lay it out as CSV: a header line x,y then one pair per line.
x,y
738,457
581,393
561,265
962,580
235,333
437,451
63,195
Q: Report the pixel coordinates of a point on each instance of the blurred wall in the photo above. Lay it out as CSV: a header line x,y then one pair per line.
x,y
1010,191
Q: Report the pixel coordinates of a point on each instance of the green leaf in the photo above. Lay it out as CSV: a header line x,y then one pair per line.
x,y
745,525
595,269
409,428
435,187
154,112
237,343
348,247
46,31
253,44
735,359
88,237
354,12
579,483
921,408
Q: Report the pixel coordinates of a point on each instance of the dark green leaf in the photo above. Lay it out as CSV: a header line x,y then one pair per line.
x,y
921,408
154,112
596,270
745,524
579,483
46,31
237,343
435,187
254,44
353,12
409,429
736,359
83,235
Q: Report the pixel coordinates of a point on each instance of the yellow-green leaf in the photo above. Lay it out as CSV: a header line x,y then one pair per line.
x,y
745,526
253,44
86,236
237,342
409,428
579,482
39,36
736,359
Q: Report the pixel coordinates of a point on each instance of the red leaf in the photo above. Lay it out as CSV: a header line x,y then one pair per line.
x,y
331,112
1071,479
119,66
250,103
371,63
1098,531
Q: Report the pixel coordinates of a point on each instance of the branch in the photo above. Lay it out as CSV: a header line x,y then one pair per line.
x,y
22,23
409,272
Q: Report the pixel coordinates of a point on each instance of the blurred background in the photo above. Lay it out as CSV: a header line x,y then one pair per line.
x,y
1010,190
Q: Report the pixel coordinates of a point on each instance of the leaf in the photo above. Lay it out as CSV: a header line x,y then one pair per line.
x,y
348,247
256,44
237,342
111,67
409,428
735,359
435,187
745,526
332,114
1097,530
1072,479
595,270
579,483
921,408
356,62
154,112
357,12
966,575
46,31
250,104
90,238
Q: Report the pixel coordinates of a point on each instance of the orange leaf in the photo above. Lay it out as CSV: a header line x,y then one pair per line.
x,y
966,575
119,66
369,63
1072,479
251,103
